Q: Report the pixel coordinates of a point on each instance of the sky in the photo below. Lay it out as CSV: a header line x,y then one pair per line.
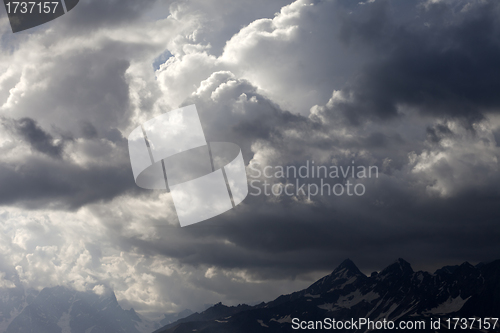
x,y
408,87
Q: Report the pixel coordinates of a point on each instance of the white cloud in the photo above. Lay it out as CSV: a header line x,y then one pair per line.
x,y
295,58
463,160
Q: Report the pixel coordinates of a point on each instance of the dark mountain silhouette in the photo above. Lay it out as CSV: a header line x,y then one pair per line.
x,y
397,294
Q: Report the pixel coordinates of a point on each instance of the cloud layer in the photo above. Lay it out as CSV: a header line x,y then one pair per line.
x,y
410,88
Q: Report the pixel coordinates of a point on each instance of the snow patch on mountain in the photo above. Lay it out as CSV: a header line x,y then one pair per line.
x,y
63,322
13,314
261,323
285,319
327,306
450,305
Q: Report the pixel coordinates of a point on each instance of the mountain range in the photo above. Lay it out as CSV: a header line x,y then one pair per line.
x,y
397,294
63,310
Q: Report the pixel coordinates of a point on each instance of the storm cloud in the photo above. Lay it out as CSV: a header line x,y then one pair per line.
x,y
407,87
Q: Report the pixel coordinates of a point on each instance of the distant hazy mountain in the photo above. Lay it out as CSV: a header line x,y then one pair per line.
x,y
212,313
173,317
62,310
12,303
397,293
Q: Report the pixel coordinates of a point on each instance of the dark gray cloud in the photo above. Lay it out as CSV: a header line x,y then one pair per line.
x,y
275,239
56,184
37,138
437,70
442,62
74,117
286,241
81,105
414,93
88,130
94,15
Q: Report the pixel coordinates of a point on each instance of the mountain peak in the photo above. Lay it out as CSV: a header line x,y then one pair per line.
x,y
466,264
346,295
403,262
446,270
347,267
348,263
401,266
465,268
